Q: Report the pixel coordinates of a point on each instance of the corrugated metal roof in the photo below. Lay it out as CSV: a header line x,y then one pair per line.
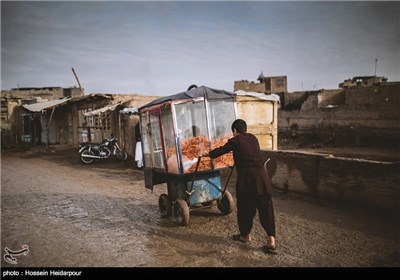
x,y
96,112
38,107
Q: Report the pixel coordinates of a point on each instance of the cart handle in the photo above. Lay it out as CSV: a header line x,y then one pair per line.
x,y
265,163
195,172
189,193
227,181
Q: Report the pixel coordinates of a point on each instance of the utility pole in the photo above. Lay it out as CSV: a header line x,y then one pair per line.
x,y
76,77
376,64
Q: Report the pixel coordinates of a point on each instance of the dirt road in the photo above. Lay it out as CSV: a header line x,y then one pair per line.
x,y
74,215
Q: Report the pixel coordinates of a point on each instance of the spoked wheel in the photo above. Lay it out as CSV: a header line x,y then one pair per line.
x,y
226,204
182,212
121,154
87,160
165,205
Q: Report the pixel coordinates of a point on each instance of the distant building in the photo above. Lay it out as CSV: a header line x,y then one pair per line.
x,y
47,93
12,99
266,85
362,81
274,84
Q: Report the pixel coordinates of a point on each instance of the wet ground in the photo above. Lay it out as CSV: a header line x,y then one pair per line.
x,y
101,215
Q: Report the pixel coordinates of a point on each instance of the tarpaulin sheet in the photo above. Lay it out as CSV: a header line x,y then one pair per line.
x,y
129,111
263,96
203,91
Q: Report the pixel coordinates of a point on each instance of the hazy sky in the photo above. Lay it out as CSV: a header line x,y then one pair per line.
x,y
160,48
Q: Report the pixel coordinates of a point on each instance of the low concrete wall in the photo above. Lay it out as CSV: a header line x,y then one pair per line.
x,y
366,183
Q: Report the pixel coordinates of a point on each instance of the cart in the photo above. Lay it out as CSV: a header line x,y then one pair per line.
x,y
195,191
176,131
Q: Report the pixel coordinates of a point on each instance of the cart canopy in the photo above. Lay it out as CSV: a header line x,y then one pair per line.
x,y
202,91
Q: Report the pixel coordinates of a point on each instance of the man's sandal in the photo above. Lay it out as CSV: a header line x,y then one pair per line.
x,y
239,237
269,247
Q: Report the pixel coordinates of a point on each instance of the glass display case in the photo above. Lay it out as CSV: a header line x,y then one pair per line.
x,y
176,130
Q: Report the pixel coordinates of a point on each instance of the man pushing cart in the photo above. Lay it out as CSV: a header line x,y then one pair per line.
x,y
175,131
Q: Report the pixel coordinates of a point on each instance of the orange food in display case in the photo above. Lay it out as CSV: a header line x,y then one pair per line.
x,y
194,147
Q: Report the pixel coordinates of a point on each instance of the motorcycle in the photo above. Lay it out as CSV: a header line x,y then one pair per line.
x,y
89,152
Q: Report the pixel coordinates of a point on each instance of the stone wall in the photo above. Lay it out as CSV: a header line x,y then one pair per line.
x,y
249,86
365,116
49,93
327,97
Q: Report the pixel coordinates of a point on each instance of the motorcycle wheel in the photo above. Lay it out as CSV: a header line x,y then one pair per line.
x,y
121,154
87,160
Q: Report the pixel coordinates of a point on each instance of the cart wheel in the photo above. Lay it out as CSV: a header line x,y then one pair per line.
x,y
182,212
165,205
226,204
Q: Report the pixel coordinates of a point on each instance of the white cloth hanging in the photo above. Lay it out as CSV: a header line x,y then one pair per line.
x,y
139,154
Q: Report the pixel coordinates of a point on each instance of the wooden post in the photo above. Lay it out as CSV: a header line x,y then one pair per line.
x,y
47,127
76,77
